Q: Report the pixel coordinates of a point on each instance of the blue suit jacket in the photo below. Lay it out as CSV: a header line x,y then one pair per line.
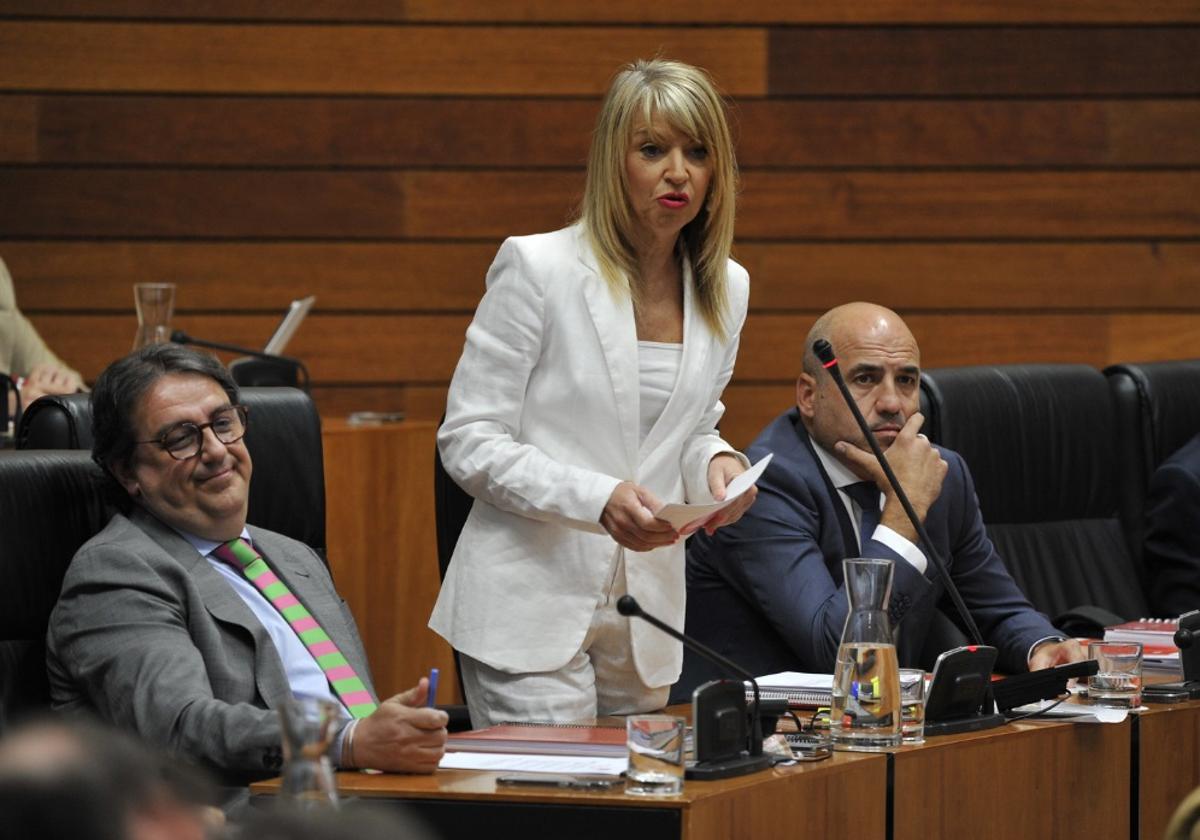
x,y
1172,549
767,591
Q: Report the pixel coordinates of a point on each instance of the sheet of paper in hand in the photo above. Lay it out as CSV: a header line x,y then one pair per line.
x,y
682,516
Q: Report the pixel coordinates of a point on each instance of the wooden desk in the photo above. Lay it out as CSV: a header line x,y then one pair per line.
x,y
1167,744
382,544
1017,781
842,797
1023,780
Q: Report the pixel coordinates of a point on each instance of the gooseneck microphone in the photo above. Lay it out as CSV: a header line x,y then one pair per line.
x,y
272,370
627,605
824,351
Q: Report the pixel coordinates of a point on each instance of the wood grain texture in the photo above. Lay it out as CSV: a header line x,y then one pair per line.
x,y
973,277
367,349
252,277
984,61
850,791
449,276
283,58
1021,783
274,131
386,204
380,349
391,204
969,205
1168,736
904,133
383,551
628,11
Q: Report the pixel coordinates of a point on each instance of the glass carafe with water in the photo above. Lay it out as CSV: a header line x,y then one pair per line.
x,y
865,713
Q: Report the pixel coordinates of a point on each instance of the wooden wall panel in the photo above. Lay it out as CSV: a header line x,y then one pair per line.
x,y
987,133
1019,179
388,204
355,276
216,58
993,61
969,205
628,11
449,276
276,131
370,348
350,348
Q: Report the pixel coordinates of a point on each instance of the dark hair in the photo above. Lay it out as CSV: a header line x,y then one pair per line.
x,y
88,780
121,387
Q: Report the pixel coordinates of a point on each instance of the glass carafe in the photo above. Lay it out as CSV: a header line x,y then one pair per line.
x,y
155,304
865,714
307,725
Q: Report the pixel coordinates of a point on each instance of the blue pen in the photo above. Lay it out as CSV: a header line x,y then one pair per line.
x,y
431,699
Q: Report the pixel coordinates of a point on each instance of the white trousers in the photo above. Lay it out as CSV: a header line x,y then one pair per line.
x,y
599,680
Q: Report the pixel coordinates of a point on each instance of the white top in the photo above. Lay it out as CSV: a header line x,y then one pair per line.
x,y
658,368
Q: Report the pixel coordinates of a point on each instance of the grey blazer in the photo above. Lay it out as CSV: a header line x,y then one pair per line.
x,y
148,636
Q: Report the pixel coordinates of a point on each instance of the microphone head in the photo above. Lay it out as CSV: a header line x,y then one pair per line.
x,y
628,605
180,337
824,351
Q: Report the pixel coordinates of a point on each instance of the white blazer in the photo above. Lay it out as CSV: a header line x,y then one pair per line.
x,y
541,426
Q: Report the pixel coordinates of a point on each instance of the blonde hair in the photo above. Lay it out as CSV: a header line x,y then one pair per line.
x,y
685,97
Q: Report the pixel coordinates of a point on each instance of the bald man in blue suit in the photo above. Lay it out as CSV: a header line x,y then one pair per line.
x,y
767,592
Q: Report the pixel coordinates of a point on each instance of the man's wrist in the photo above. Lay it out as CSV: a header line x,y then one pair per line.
x,y
1042,641
347,757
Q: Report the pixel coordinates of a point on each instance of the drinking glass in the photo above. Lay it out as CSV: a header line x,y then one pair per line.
x,y
655,745
155,303
307,725
1118,683
912,705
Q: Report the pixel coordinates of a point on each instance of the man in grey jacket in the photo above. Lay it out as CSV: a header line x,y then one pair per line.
x,y
181,623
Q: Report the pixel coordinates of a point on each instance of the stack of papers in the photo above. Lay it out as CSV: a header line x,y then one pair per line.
x,y
800,689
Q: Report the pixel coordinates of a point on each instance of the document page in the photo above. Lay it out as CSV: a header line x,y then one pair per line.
x,y
571,764
683,515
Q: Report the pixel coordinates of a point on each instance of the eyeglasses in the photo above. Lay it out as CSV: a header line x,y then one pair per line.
x,y
185,440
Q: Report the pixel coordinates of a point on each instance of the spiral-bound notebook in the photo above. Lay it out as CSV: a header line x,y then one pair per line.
x,y
800,689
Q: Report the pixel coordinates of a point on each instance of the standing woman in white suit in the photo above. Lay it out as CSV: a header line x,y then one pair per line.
x,y
587,395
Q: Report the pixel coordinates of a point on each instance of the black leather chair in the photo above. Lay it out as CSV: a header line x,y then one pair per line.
x,y
51,503
1158,411
283,434
1040,442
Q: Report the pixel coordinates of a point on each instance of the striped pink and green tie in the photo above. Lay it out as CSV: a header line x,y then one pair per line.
x,y
349,687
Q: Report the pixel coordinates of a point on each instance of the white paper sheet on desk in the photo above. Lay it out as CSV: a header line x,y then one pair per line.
x,y
1073,712
681,515
511,762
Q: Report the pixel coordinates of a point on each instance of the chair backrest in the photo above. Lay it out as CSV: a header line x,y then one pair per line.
x,y
283,434
452,505
1158,411
1039,440
51,503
